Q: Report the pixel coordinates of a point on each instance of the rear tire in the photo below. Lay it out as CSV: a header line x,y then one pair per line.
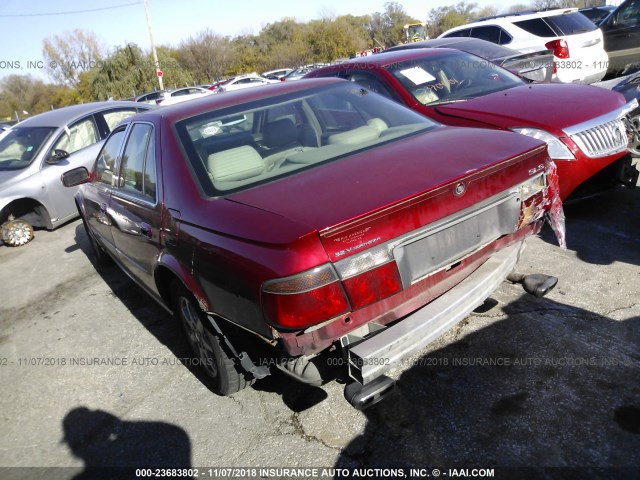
x,y
16,233
224,376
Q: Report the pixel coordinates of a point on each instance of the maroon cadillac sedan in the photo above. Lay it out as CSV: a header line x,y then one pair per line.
x,y
311,224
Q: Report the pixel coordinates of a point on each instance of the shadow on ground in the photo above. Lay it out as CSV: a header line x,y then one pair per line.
x,y
603,229
113,448
542,385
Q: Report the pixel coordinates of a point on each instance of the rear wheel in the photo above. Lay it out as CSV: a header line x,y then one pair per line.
x,y
224,376
17,233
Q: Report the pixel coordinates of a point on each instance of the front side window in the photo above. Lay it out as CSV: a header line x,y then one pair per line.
x,y
106,161
81,134
135,179
20,146
451,77
629,16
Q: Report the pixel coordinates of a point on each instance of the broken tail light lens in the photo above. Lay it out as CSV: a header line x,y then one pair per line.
x,y
532,200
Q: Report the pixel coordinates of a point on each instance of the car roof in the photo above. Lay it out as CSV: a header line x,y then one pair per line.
x,y
385,58
208,103
454,42
66,115
526,15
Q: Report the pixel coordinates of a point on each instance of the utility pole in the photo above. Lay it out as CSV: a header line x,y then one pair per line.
x,y
153,46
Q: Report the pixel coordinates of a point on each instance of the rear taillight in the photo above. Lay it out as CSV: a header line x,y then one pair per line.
x,y
326,292
560,48
373,285
305,299
533,200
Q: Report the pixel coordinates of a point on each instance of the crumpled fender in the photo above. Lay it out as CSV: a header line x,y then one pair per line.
x,y
555,212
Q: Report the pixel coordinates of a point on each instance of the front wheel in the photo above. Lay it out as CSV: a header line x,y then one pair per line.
x,y
17,233
100,254
224,376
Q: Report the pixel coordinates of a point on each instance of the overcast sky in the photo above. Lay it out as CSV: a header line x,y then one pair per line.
x,y
24,24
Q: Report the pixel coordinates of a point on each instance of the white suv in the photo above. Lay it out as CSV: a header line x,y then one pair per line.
x,y
577,45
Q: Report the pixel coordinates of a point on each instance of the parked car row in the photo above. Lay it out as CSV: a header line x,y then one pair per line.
x,y
587,137
346,221
584,52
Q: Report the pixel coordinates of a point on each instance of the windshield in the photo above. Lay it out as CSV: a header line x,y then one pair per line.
x,y
451,77
261,141
20,146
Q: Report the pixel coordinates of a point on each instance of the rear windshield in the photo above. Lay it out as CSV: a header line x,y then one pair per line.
x,y
258,142
557,25
571,23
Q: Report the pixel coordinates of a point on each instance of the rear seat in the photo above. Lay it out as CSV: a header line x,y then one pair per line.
x,y
235,164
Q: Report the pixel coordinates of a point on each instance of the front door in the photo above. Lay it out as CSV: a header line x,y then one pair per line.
x,y
135,206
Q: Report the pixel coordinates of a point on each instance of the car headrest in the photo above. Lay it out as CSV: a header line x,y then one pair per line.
x,y
280,133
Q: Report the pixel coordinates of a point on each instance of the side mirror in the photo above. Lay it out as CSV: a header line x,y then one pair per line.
x,y
75,177
58,155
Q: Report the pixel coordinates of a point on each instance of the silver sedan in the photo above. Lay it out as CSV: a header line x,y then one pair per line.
x,y
35,153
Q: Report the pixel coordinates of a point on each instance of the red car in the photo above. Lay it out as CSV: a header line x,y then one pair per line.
x,y
310,224
585,127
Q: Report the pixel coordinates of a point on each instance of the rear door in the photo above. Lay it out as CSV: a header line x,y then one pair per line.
x,y
97,195
135,207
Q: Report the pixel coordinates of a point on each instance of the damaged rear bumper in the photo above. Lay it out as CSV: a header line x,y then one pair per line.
x,y
371,355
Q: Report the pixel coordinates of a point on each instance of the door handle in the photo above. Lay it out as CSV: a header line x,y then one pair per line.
x,y
146,230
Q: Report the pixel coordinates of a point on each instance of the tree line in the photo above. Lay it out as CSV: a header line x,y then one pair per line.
x,y
82,70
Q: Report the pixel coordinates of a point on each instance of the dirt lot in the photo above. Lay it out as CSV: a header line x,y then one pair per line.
x,y
92,375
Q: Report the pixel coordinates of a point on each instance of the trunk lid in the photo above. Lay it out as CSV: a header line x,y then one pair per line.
x,y
383,192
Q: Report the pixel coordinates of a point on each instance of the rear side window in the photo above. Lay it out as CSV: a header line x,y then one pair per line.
x,y
491,33
114,117
571,23
459,33
537,27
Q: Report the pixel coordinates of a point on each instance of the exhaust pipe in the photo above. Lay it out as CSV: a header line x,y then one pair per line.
x,y
363,396
536,284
